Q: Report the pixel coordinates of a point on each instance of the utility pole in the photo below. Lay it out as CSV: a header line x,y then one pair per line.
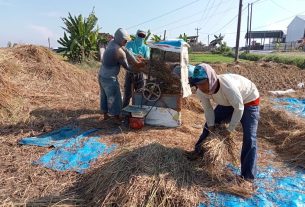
x,y
164,35
247,37
208,39
250,25
49,42
238,30
197,33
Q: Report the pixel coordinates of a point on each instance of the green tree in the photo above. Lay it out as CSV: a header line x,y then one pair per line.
x,y
156,38
9,44
184,37
81,37
216,41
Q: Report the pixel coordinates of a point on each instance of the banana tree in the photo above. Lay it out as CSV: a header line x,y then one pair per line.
x,y
217,41
156,38
184,37
80,40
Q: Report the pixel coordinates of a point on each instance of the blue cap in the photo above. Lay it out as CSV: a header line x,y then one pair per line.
x,y
199,74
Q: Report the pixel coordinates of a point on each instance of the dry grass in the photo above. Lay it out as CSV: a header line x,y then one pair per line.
x,y
33,77
286,132
267,76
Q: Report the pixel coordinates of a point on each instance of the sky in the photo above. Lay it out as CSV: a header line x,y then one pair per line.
x,y
34,21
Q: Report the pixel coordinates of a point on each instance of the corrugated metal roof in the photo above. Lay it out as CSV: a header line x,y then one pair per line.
x,y
266,34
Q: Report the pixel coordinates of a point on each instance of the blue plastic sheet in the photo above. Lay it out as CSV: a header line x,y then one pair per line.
x,y
54,138
73,150
293,105
75,155
273,191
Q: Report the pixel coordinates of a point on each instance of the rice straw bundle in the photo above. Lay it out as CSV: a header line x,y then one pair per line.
x,y
217,151
151,175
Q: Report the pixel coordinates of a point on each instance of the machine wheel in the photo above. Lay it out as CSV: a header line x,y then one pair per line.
x,y
151,92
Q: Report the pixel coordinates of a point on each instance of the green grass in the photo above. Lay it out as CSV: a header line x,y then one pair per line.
x,y
297,59
196,58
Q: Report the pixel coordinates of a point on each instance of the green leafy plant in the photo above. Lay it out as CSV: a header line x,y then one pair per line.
x,y
217,41
147,36
81,37
184,37
223,49
156,38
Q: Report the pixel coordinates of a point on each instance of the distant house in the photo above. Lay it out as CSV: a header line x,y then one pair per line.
x,y
296,29
192,39
258,38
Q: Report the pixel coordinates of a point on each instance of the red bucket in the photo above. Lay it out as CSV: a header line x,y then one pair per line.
x,y
136,122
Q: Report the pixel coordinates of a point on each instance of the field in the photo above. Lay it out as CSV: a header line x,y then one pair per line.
x,y
196,58
293,58
40,92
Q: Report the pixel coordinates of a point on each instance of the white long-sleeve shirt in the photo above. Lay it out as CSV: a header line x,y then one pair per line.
x,y
235,90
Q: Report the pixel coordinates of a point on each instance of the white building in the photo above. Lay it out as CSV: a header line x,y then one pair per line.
x,y
296,29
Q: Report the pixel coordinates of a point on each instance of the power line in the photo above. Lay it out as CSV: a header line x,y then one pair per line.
x,y
178,20
204,12
260,1
281,20
162,15
226,24
206,19
191,22
280,6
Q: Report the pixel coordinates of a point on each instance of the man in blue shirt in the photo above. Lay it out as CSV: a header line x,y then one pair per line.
x,y
138,48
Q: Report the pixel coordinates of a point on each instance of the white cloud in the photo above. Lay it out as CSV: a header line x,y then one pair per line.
x,y
43,31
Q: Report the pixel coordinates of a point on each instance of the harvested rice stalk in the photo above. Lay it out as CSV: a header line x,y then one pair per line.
x,y
217,151
152,175
162,72
240,188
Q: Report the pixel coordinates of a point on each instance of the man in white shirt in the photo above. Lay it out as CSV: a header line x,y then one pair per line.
x,y
237,100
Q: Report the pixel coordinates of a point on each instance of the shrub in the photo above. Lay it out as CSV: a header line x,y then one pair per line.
x,y
289,60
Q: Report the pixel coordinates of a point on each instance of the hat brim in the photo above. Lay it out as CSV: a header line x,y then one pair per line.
x,y
196,81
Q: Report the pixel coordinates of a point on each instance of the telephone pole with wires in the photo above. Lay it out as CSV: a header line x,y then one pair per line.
x,y
238,30
197,33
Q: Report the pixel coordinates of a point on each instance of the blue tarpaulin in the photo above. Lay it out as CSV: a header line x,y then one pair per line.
x,y
54,138
71,152
272,192
75,155
293,105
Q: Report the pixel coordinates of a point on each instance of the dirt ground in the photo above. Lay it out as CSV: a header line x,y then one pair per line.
x,y
40,92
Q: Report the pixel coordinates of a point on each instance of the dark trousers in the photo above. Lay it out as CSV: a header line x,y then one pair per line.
x,y
249,122
133,81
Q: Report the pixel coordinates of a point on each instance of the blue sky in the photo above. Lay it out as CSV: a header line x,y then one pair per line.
x,y
33,21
